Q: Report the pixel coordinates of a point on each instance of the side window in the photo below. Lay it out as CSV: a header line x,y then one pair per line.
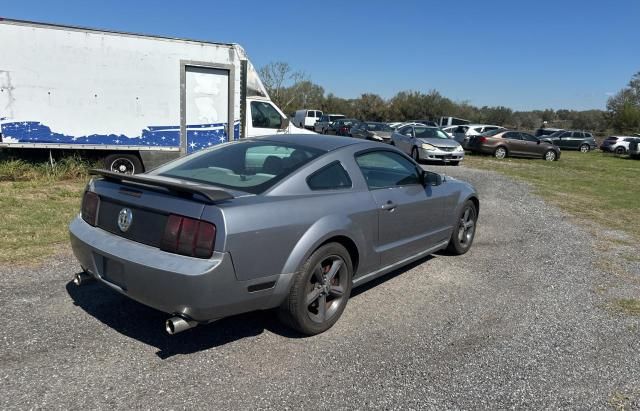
x,y
383,169
578,134
331,177
406,131
566,134
529,137
263,115
512,136
588,135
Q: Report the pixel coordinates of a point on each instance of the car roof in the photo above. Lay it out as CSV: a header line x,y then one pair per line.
x,y
317,141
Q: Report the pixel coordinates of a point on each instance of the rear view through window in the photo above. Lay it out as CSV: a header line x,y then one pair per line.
x,y
251,166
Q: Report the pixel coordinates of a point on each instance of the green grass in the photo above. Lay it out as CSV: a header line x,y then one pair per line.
x,y
38,201
594,186
628,305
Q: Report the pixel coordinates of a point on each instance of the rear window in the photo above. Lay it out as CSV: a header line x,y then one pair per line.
x,y
612,138
250,166
334,118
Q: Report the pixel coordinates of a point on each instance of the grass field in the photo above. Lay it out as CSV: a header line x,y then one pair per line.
x,y
593,186
37,202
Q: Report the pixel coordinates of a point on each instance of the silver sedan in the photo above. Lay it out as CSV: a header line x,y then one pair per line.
x,y
423,142
292,222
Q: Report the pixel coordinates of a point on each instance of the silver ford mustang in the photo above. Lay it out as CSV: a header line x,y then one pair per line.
x,y
287,221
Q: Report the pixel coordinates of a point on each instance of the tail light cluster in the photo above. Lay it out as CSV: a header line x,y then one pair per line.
x,y
90,206
482,140
187,236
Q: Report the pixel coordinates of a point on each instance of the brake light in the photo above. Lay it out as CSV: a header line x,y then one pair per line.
x,y
482,140
187,236
90,205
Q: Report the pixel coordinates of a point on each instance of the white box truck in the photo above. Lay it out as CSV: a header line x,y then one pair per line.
x,y
140,100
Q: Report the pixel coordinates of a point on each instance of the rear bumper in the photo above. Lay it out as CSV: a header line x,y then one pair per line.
x,y
200,289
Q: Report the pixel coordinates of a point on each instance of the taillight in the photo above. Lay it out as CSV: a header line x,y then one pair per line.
x,y
90,205
482,140
187,236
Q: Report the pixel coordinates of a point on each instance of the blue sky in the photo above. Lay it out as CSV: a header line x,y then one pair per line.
x,y
524,55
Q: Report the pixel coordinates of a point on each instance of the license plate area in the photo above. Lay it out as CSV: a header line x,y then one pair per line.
x,y
113,272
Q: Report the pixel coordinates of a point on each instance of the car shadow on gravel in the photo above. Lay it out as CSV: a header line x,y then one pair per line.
x,y
146,324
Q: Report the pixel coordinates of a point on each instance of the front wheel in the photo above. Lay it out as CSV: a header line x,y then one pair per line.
x,y
584,148
550,155
464,230
415,154
500,153
320,292
455,163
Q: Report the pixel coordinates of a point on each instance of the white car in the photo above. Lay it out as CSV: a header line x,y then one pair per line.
x,y
427,143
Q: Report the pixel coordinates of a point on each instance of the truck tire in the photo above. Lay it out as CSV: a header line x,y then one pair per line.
x,y
123,163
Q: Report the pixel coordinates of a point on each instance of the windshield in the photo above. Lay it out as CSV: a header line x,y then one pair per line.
x,y
492,132
430,132
378,127
556,134
251,166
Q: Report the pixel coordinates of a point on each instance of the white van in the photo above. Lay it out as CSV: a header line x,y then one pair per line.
x,y
306,118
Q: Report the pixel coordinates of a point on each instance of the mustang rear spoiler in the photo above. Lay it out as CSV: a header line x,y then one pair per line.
x,y
211,194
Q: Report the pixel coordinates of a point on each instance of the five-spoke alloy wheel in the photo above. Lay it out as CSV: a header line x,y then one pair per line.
x,y
465,229
320,292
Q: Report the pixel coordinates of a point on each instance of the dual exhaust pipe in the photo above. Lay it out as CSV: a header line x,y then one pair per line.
x,y
173,325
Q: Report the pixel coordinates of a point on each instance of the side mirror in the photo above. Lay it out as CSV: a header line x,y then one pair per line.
x,y
431,179
284,123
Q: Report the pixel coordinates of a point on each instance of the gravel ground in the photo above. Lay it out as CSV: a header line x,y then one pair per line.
x,y
519,321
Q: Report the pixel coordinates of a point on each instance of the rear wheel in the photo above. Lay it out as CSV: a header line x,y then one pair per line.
x,y
620,151
415,154
465,229
320,292
550,155
500,153
123,163
585,148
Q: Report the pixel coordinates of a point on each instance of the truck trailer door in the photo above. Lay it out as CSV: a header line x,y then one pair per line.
x,y
207,109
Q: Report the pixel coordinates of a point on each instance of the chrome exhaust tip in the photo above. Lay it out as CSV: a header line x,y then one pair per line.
x,y
82,278
175,325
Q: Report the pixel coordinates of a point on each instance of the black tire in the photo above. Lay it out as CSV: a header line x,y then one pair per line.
x,y
455,163
550,155
463,232
306,318
620,151
498,153
415,154
585,148
123,163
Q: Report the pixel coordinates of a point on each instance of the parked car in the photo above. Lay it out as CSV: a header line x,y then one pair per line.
x,y
617,144
341,127
634,148
165,238
543,131
573,140
422,142
394,124
426,122
450,130
505,143
306,118
371,130
462,133
322,125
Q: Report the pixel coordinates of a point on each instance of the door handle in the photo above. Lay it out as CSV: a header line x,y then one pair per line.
x,y
389,206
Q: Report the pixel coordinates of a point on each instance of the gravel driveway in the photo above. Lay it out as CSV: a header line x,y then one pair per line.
x,y
516,322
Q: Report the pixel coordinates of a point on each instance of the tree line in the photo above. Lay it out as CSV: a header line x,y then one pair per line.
x,y
292,90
